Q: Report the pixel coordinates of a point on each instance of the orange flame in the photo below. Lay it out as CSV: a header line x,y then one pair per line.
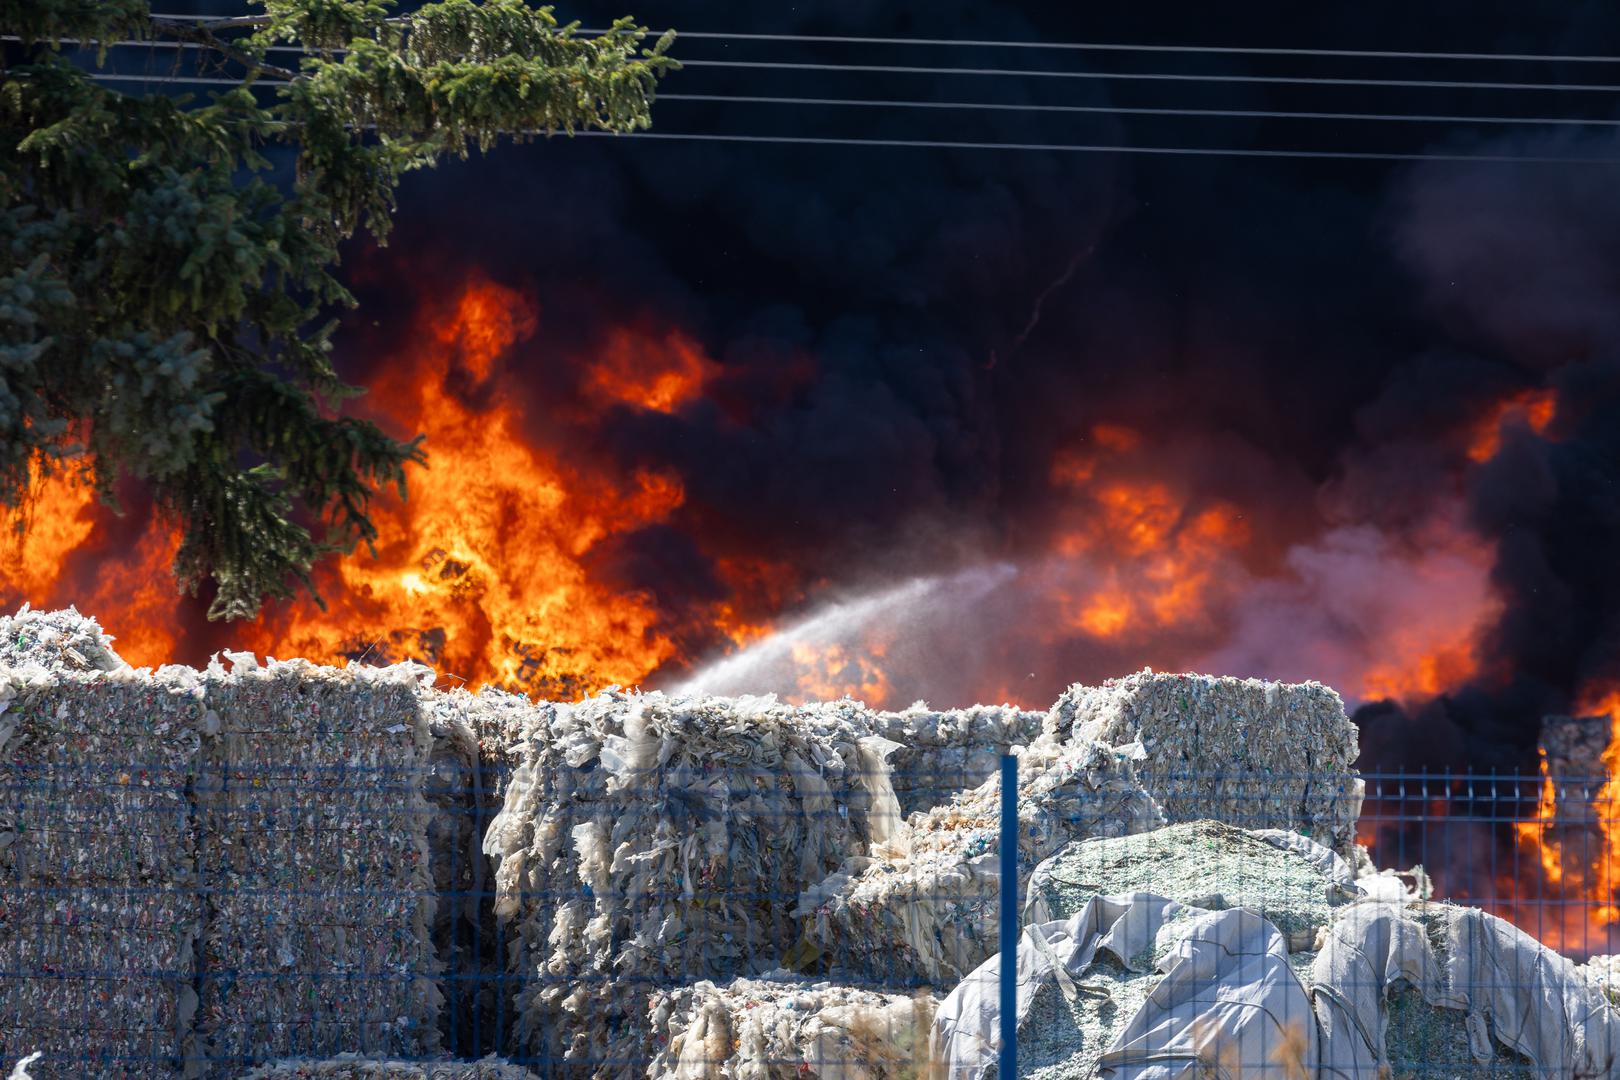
x,y
1155,556
481,570
1584,884
1534,408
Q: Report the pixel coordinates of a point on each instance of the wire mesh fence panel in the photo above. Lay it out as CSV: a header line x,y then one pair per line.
x,y
285,871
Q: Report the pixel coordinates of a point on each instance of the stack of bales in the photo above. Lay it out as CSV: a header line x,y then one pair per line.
x,y
1259,755
98,907
313,844
649,841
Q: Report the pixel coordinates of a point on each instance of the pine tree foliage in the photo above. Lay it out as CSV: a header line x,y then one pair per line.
x,y
167,299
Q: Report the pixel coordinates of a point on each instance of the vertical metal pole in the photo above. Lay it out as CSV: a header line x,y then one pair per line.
x,y
1009,917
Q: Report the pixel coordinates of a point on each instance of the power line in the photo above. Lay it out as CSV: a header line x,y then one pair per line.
x,y
1043,73
1088,46
1114,149
1140,76
1259,114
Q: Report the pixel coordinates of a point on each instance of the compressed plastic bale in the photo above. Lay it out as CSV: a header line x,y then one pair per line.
x,y
1259,755
355,1067
58,641
923,909
647,841
98,907
940,754
313,842
783,1027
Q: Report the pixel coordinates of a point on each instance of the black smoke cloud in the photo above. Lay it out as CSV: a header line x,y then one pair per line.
x,y
905,338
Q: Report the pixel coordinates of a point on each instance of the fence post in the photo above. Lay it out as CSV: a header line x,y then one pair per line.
x,y
1009,917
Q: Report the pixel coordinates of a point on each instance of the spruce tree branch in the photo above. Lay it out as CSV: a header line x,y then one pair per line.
x,y
203,35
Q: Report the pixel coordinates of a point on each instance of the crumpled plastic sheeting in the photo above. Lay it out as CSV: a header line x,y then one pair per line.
x,y
784,1027
1224,1001
354,1067
1534,1001
965,1043
1294,882
1493,1002
313,836
58,641
1228,1005
939,755
98,914
923,908
648,841
1260,755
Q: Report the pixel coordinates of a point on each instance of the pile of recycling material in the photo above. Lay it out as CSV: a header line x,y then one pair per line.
x,y
56,641
98,919
1207,947
354,1067
342,872
784,1026
1111,761
921,909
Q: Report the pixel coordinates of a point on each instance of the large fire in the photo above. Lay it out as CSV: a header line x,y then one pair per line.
x,y
486,570
1583,879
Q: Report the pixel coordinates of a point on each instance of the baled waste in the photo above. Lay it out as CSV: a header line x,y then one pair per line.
x,y
283,870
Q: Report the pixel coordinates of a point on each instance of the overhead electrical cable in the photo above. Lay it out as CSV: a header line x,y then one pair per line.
x,y
1046,73
991,106
226,22
943,144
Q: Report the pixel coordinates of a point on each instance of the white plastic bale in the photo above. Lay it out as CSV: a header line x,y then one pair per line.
x,y
1259,755
57,641
313,838
942,753
648,841
98,912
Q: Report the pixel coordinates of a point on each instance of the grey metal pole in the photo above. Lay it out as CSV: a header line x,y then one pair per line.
x,y
1009,917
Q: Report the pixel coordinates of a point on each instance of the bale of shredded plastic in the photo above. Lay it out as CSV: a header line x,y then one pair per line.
x,y
1259,755
58,641
98,905
312,836
940,754
923,908
647,841
355,1067
783,1027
